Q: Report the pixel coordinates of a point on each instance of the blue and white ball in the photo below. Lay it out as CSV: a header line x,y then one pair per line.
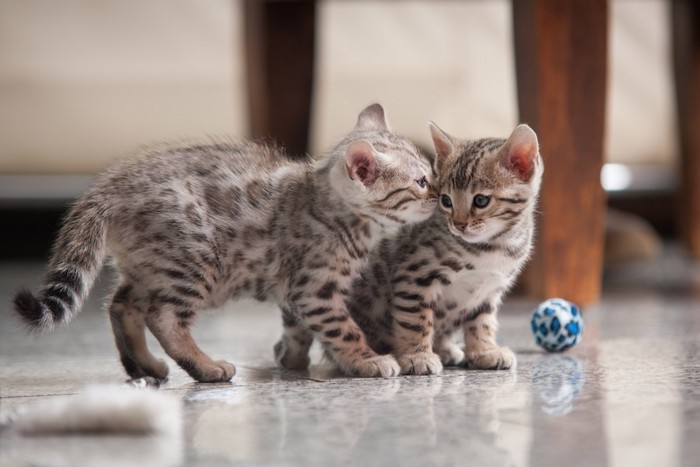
x,y
557,325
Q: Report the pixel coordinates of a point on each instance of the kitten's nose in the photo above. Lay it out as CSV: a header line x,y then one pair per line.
x,y
461,226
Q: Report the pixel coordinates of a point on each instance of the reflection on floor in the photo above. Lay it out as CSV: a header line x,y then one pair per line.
x,y
628,395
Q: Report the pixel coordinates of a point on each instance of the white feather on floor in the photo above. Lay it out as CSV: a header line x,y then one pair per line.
x,y
103,426
103,409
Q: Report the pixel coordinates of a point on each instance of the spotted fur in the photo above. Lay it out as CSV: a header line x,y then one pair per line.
x,y
190,227
451,272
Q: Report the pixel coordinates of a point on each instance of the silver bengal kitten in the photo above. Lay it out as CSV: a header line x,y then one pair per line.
x,y
451,272
191,227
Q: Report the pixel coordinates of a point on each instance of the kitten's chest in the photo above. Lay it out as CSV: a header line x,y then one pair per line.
x,y
494,263
471,288
490,277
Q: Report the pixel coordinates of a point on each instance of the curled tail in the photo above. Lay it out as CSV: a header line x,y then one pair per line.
x,y
77,257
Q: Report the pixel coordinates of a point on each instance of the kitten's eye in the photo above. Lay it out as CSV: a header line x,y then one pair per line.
x,y
481,201
446,201
422,182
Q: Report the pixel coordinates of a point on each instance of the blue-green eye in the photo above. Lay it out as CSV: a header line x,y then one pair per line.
x,y
481,201
446,201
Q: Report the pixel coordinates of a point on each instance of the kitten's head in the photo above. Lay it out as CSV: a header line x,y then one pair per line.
x,y
487,185
384,174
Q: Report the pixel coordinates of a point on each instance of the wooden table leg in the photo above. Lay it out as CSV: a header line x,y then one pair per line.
x,y
561,65
686,59
279,41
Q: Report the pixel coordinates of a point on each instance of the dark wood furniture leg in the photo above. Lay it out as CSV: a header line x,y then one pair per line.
x,y
561,65
685,18
279,42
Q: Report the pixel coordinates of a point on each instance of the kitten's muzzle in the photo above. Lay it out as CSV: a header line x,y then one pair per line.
x,y
461,225
462,231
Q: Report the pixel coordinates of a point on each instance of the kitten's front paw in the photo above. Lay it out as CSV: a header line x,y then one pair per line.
x,y
498,358
291,359
380,366
450,354
422,363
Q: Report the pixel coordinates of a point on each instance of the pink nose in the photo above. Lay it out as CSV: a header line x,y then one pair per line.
x,y
461,226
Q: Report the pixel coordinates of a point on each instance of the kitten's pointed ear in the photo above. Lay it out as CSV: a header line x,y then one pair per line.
x,y
361,162
521,152
372,118
444,145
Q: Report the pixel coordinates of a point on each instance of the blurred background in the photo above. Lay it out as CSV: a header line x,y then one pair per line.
x,y
84,83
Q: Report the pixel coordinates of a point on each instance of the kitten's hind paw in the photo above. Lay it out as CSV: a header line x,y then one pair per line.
x,y
289,358
380,366
421,363
498,358
450,354
220,372
227,370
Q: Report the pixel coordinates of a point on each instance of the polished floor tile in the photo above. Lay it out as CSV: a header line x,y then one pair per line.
x,y
629,394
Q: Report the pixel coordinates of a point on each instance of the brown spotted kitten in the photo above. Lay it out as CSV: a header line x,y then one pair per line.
x,y
452,271
190,227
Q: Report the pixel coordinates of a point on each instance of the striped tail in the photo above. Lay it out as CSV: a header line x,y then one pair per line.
x,y
77,257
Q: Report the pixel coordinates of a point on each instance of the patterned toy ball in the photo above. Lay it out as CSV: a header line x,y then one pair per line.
x,y
557,324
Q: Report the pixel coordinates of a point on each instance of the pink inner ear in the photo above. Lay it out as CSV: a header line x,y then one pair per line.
x,y
521,160
361,164
442,147
361,172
